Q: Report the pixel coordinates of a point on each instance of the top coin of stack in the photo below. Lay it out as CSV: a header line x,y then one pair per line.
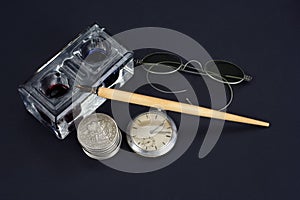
x,y
99,136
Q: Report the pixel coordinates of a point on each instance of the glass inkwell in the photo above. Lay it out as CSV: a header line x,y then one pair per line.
x,y
93,58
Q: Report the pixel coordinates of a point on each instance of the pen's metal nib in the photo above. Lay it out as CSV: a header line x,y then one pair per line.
x,y
86,88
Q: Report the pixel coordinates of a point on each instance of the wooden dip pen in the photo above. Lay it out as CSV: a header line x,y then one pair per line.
x,y
144,100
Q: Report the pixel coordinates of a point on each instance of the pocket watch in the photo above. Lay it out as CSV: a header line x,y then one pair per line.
x,y
152,134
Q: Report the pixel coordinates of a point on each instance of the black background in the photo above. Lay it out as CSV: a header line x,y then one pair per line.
x,y
247,162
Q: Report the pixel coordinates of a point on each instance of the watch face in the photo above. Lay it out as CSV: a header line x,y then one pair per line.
x,y
152,134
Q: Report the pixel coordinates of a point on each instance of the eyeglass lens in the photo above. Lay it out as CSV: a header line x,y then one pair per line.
x,y
224,71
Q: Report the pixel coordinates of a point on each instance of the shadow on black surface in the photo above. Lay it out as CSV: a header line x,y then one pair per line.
x,y
235,128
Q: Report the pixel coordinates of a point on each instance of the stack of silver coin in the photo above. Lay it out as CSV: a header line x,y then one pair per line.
x,y
99,136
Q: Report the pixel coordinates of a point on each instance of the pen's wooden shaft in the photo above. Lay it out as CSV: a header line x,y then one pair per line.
x,y
164,104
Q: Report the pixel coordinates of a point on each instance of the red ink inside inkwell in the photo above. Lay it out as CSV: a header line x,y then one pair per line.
x,y
54,85
56,90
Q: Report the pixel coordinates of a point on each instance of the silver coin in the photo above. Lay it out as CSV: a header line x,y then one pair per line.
x,y
105,150
97,131
99,136
103,156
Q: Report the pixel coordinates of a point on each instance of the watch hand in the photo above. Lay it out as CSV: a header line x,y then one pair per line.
x,y
164,132
151,131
